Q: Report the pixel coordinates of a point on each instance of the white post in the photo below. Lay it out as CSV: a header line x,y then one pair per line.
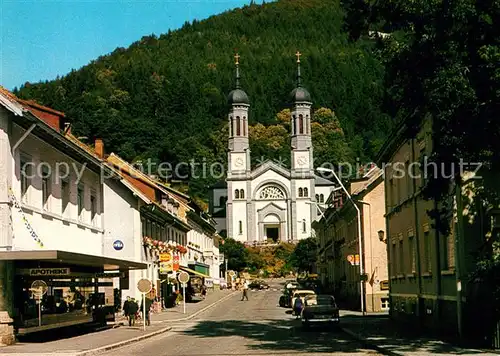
x,y
40,311
184,299
144,311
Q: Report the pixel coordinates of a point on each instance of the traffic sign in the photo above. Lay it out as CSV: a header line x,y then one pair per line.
x,y
118,245
232,273
165,257
144,285
183,277
39,288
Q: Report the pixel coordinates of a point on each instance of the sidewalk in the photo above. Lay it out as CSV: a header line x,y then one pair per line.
x,y
378,332
97,342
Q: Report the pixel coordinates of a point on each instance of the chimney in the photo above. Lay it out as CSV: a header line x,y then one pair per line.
x,y
99,147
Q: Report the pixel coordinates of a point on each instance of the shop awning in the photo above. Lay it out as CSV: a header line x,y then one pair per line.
x,y
191,271
65,257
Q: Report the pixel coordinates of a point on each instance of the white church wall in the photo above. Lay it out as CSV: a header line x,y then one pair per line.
x,y
303,214
240,221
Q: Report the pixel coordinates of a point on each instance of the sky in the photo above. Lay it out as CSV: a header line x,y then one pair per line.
x,y
40,39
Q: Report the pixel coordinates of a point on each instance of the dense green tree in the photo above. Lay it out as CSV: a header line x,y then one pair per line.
x,y
235,253
305,254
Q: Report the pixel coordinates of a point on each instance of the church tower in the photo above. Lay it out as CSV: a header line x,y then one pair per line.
x,y
238,128
239,165
302,162
302,151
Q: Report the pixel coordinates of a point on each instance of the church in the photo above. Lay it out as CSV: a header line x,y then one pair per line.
x,y
269,202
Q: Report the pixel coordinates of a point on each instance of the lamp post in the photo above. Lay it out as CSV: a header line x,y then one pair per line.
x,y
360,242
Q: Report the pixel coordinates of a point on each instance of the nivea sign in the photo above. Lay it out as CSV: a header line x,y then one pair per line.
x,y
118,245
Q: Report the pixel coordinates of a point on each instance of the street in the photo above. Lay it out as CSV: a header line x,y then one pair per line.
x,y
255,327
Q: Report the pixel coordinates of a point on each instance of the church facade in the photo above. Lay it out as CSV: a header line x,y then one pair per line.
x,y
269,202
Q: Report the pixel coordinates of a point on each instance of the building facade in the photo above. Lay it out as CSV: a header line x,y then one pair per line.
x,y
339,245
431,283
270,202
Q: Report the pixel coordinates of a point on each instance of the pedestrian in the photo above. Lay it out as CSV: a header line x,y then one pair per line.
x,y
203,291
126,307
245,290
149,302
133,308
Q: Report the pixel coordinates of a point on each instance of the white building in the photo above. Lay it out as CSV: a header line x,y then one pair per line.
x,y
51,220
270,201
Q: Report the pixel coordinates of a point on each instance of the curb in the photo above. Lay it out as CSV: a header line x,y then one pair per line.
x,y
370,345
201,310
122,343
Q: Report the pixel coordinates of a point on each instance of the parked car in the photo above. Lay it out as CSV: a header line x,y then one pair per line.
x,y
320,310
258,284
301,293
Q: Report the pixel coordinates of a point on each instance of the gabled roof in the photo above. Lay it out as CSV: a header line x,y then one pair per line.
x,y
270,165
320,181
371,178
124,166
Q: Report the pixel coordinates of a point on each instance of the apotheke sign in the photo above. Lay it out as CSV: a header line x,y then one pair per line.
x,y
49,272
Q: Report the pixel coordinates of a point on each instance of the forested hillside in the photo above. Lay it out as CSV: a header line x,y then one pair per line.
x,y
164,97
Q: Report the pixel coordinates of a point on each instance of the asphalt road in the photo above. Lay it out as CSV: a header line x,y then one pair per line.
x,y
255,327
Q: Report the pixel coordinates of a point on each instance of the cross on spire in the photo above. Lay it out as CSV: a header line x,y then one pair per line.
x,y
236,59
299,79
237,63
298,54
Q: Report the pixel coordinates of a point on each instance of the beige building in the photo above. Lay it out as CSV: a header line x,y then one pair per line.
x,y
430,274
339,245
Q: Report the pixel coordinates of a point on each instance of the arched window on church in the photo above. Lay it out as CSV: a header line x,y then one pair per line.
x,y
242,194
304,227
317,197
236,194
244,126
230,126
294,124
308,124
321,198
306,192
301,193
238,126
301,124
240,227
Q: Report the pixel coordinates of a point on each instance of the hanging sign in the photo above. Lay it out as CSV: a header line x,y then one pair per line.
x,y
49,271
25,220
166,267
165,257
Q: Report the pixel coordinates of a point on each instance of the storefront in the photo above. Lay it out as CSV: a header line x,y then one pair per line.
x,y
78,288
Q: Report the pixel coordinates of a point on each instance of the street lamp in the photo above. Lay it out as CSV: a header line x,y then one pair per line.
x,y
360,242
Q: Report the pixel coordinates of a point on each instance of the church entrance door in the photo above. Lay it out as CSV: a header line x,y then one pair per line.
x,y
273,232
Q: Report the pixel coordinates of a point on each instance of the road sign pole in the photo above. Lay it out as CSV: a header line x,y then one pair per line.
x,y
144,311
184,294
39,311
